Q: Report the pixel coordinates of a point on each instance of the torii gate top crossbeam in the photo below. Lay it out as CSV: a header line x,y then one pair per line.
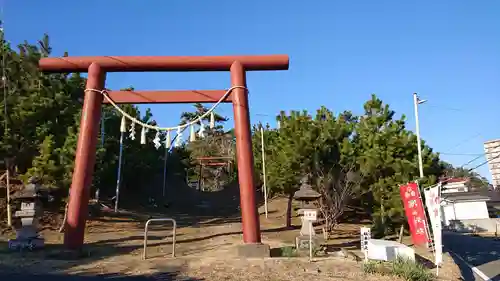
x,y
163,63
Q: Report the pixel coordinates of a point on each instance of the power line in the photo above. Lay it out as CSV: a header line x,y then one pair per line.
x,y
472,160
485,162
446,107
464,141
462,154
480,156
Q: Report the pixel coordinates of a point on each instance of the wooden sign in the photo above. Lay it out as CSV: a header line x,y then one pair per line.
x,y
365,237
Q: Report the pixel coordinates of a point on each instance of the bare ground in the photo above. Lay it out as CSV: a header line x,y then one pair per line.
x,y
204,251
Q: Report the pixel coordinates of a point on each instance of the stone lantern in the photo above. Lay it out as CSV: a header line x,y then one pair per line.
x,y
307,196
28,203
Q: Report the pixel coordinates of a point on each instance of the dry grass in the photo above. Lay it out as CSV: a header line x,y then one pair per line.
x,y
449,270
204,252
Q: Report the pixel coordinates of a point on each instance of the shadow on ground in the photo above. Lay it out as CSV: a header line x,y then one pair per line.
x,y
188,206
351,245
465,270
483,253
59,258
55,258
424,261
170,274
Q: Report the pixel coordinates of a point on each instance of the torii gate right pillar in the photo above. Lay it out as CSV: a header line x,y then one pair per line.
x,y
249,213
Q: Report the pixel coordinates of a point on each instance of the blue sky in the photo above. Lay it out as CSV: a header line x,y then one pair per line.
x,y
340,53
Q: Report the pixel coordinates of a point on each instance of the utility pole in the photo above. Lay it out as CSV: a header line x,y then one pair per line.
x,y
123,129
164,186
103,133
263,151
416,102
264,175
6,128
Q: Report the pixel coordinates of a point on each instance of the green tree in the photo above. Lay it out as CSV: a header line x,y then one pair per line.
x,y
387,156
475,180
200,110
216,143
43,119
318,146
44,165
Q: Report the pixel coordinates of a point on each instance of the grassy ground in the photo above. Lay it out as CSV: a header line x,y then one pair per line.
x,y
204,250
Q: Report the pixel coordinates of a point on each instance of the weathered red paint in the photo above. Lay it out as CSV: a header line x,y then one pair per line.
x,y
87,138
137,97
145,63
249,214
84,160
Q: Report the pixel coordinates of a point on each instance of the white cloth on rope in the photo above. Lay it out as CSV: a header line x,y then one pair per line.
x,y
167,140
131,130
178,138
201,132
123,125
192,136
157,140
157,128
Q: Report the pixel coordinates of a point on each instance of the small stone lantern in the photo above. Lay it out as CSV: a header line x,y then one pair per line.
x,y
306,195
28,203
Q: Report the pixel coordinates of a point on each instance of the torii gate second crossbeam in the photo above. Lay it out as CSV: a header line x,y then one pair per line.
x,y
97,67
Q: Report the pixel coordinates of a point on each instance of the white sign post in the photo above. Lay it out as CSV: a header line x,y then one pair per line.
x,y
433,204
365,237
310,216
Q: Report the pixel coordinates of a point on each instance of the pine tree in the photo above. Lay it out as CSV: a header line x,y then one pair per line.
x,y
44,166
387,156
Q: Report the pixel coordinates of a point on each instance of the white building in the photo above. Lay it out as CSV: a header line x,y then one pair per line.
x,y
455,185
492,151
463,206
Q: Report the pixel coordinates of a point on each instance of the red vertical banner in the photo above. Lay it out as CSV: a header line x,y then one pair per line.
x,y
414,213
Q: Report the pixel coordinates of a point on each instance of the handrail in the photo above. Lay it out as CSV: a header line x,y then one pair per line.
x,y
174,223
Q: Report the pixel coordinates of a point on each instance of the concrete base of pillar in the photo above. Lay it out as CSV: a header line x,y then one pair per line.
x,y
253,250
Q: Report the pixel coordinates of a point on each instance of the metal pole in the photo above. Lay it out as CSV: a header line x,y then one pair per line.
x,y
310,241
119,173
103,132
165,173
9,211
5,93
263,168
416,102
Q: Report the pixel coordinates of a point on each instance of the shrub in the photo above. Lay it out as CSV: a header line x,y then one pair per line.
x,y
410,270
401,267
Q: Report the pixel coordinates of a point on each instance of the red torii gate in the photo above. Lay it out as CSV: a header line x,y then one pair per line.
x,y
98,66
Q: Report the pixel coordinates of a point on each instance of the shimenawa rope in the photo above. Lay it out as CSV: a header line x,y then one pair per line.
x,y
157,128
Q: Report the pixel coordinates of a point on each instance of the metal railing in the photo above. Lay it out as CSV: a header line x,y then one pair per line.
x,y
174,224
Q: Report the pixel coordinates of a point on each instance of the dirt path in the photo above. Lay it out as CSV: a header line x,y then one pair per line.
x,y
205,251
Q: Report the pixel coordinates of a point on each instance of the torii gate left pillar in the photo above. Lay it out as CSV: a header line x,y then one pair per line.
x,y
97,67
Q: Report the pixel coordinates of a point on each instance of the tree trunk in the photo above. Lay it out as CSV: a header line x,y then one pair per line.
x,y
401,232
382,212
289,211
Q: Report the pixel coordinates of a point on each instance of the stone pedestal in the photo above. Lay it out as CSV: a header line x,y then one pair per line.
x,y
302,244
27,236
302,241
257,250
